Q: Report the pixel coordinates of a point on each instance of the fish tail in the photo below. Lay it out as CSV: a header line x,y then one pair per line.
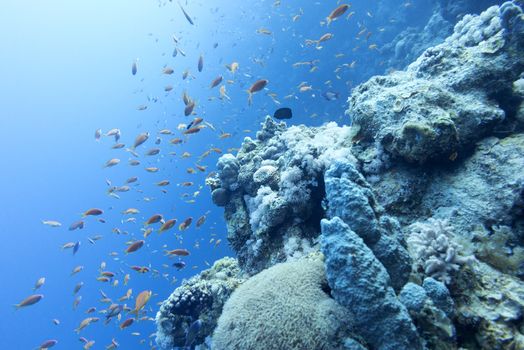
x,y
17,306
249,97
328,21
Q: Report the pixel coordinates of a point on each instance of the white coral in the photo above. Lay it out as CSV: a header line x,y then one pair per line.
x,y
432,248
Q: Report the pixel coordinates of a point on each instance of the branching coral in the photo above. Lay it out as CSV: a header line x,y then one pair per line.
x,y
433,250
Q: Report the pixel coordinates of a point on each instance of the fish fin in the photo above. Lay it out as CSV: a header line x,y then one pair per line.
x,y
249,97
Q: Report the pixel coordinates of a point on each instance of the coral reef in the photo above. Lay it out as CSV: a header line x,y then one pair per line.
x,y
431,308
452,96
201,297
284,307
418,210
350,198
358,280
272,190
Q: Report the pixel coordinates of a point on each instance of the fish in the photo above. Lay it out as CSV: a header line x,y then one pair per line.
x,y
30,300
118,146
152,169
134,246
128,322
141,107
163,183
200,64
330,95
194,122
52,223
39,283
283,113
179,265
140,269
98,134
76,225
141,301
189,108
134,162
224,135
192,332
77,270
323,38
233,67
257,86
177,252
76,247
111,162
134,67
175,141
76,302
201,220
140,139
167,70
223,93
78,286
339,11
56,321
264,31
152,152
92,212
215,82
132,179
167,225
47,344
153,219
168,88
89,345
113,345
192,130
186,15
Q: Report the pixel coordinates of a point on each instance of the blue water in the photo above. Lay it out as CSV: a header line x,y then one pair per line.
x,y
65,71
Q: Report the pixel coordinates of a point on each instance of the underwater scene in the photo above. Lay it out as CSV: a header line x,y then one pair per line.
x,y
262,175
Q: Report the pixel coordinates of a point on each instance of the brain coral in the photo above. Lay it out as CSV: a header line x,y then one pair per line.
x,y
284,307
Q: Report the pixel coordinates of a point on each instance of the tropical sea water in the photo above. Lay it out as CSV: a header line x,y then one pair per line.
x,y
65,69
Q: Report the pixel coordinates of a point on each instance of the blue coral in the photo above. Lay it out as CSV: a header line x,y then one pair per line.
x,y
358,280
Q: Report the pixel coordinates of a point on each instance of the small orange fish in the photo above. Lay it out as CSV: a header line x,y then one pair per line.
x,y
175,141
201,220
93,212
177,252
154,219
126,323
193,130
339,11
185,224
30,300
187,184
215,82
167,225
135,246
257,86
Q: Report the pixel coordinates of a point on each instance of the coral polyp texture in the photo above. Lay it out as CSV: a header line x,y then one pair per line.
x,y
404,230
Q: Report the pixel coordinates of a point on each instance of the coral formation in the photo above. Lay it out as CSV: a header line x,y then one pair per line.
x,y
201,297
433,250
358,280
350,198
284,307
430,175
451,96
273,188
